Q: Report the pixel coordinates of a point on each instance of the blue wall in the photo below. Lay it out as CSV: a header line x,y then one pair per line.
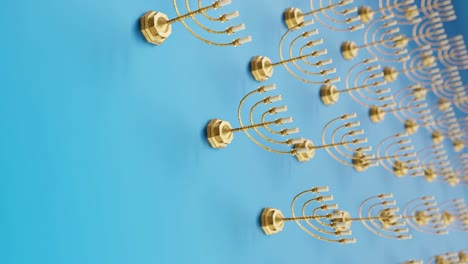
x,y
103,156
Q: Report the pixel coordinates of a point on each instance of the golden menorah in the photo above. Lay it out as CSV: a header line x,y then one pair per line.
x,y
453,53
318,219
336,16
408,105
220,133
401,10
364,82
296,59
423,215
156,27
381,41
419,66
444,8
433,160
325,222
395,154
455,214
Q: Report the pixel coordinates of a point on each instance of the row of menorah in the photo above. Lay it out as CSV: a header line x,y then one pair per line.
x,y
379,214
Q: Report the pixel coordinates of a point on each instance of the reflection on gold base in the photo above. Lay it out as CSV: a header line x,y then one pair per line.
x,y
387,219
458,145
421,218
399,168
359,162
218,133
349,50
443,104
272,221
293,17
310,151
448,218
429,175
390,74
437,138
366,14
376,114
411,127
261,68
154,27
345,219
419,93
329,94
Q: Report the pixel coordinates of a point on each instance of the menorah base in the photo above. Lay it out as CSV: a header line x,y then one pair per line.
x,y
419,93
421,218
458,145
309,154
344,221
272,221
293,17
447,218
329,94
437,138
154,27
366,14
261,68
359,162
376,114
218,133
399,168
349,50
390,74
411,127
429,175
452,180
387,219
443,104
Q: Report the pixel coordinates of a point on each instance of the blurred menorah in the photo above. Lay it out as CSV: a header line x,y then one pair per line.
x,y
443,123
297,55
380,40
339,140
401,10
156,27
460,257
453,52
409,107
335,16
395,154
434,161
220,133
455,214
376,213
423,215
364,83
321,221
419,66
444,8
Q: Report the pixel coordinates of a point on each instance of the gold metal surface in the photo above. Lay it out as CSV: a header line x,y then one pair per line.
x,y
390,74
154,27
272,221
293,17
261,68
219,133
349,50
437,137
309,154
411,127
329,94
366,13
376,114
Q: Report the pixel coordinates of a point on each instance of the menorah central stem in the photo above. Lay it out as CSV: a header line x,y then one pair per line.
x,y
400,109
387,157
304,218
363,218
374,43
253,126
321,9
313,54
195,12
333,145
355,88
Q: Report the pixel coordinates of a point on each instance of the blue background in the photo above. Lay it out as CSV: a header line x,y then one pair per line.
x,y
103,155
